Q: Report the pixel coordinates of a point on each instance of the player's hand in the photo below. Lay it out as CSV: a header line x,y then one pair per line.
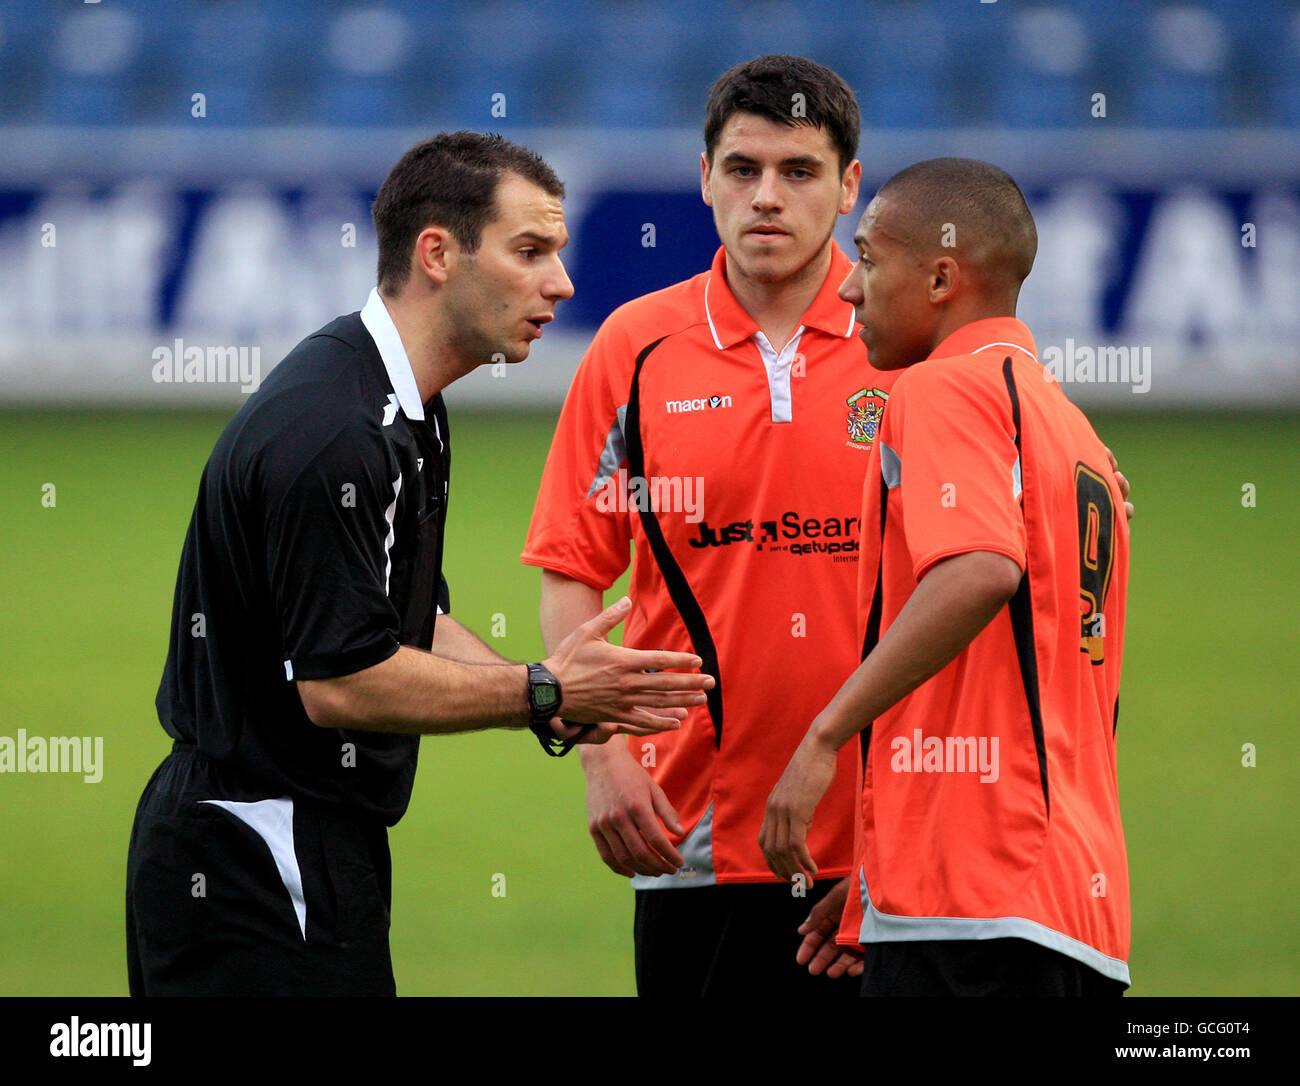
x,y
819,951
1124,487
604,683
790,807
626,814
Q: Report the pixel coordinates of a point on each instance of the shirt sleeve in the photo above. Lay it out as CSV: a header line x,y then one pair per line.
x,y
953,443
329,513
576,529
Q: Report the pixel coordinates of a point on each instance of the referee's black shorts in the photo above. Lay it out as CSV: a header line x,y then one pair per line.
x,y
229,892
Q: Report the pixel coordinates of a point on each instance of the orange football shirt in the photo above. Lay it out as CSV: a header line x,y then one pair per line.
x,y
990,806
731,475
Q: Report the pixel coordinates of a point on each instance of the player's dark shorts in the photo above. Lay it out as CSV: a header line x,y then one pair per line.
x,y
737,939
1014,968
232,892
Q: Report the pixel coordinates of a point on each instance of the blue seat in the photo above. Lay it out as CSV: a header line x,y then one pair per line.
x,y
1168,101
360,101
1180,80
25,61
898,59
86,100
1268,41
228,52
903,104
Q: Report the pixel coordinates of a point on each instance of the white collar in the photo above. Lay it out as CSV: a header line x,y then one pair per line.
x,y
378,322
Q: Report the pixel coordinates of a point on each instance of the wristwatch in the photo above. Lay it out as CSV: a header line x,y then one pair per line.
x,y
544,698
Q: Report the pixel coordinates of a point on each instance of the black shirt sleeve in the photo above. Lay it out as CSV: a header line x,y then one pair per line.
x,y
330,507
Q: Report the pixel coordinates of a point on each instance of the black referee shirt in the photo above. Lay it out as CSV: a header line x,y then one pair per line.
x,y
315,550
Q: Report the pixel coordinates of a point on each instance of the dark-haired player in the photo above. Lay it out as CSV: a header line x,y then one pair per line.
x,y
310,645
745,391
994,571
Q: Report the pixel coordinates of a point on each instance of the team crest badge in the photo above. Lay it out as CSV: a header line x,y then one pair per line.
x,y
865,408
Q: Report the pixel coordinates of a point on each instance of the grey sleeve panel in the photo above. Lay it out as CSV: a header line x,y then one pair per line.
x,y
612,455
891,466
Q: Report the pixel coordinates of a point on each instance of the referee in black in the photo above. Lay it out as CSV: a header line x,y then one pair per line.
x,y
310,640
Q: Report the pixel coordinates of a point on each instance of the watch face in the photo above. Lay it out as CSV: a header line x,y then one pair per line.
x,y
544,695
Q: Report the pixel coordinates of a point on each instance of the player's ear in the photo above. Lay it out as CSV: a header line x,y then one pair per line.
x,y
704,179
849,187
435,253
944,277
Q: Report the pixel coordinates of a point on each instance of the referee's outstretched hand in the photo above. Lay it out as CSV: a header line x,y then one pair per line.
x,y
648,690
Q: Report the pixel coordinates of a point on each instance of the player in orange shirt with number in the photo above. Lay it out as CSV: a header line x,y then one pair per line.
x,y
994,567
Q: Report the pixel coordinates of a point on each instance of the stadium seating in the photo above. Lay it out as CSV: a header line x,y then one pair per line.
x,y
641,63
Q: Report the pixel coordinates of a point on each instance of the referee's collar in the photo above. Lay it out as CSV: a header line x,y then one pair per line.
x,y
378,322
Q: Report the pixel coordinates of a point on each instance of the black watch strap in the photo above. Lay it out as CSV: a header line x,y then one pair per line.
x,y
544,698
552,743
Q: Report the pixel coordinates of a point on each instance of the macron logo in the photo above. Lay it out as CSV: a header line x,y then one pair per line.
x,y
390,410
677,407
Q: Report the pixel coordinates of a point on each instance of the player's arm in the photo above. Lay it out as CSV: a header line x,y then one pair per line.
x,y
417,692
328,564
624,805
955,600
453,641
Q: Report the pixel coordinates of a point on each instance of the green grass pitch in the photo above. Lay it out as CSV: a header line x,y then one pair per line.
x,y
87,584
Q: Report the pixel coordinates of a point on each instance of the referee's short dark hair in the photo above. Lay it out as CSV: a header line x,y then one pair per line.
x,y
768,86
451,181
